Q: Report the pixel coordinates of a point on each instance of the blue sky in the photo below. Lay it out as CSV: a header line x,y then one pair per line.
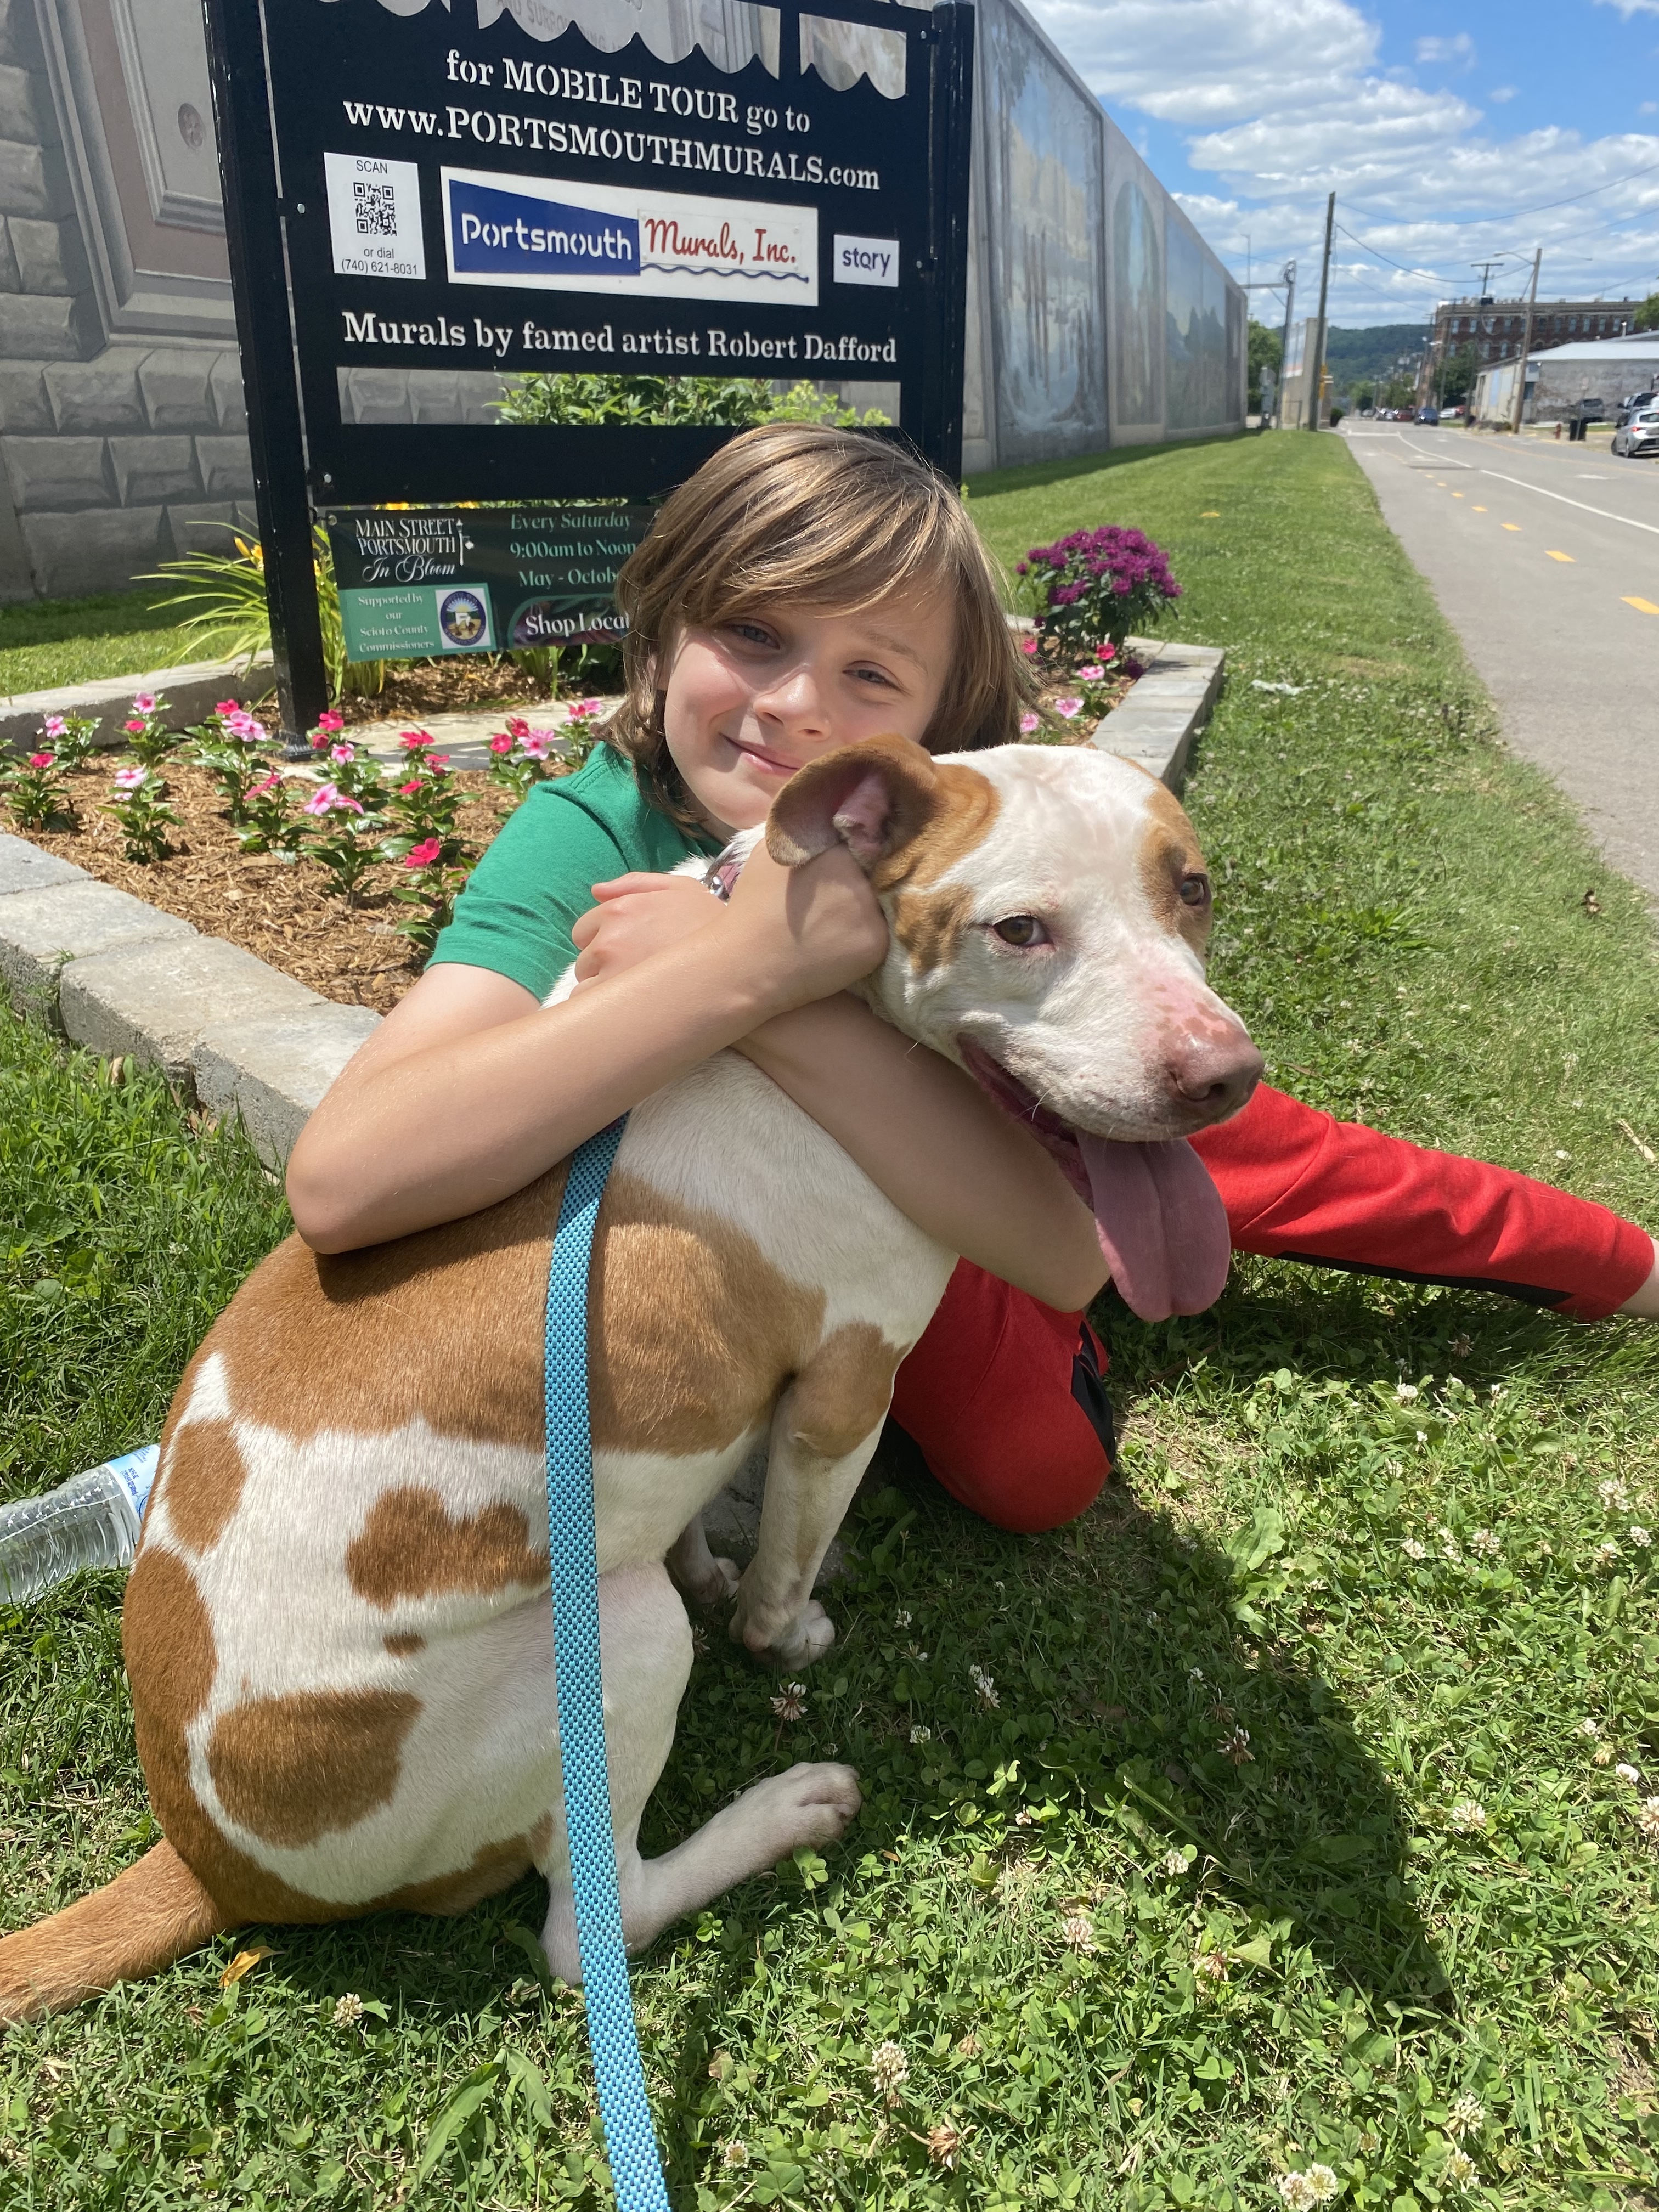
x,y
1439,130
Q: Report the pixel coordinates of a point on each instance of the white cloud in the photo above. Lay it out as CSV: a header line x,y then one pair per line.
x,y
1629,8
1458,48
1649,107
1282,102
1500,93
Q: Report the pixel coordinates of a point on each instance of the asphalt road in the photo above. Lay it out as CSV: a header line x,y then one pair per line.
x,y
1545,558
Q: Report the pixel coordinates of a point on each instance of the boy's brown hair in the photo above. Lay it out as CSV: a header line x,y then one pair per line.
x,y
826,518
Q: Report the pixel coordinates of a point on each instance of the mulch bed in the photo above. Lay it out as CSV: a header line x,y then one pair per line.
x,y
465,684
279,910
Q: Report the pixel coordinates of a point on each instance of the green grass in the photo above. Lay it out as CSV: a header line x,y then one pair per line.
x,y
1403,924
45,643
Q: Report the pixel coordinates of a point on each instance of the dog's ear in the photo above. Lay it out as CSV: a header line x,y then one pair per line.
x,y
873,797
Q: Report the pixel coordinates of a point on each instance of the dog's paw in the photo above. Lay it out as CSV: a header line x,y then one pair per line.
x,y
809,1805
716,1583
784,1643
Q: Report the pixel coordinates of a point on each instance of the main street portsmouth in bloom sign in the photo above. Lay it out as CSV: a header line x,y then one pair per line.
x,y
551,234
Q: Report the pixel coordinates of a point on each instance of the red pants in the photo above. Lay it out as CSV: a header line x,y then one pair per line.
x,y
1003,1395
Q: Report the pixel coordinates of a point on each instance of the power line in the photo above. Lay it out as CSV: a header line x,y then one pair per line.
x,y
1514,215
1421,276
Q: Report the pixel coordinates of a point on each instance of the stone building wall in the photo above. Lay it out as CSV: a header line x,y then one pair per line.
x,y
117,444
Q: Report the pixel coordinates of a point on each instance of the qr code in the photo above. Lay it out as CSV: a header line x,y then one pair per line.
x,y
376,210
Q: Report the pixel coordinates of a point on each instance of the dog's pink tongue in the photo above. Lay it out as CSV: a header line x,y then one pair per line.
x,y
1161,1224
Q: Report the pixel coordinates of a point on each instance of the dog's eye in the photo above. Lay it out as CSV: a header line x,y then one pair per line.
x,y
1022,929
1194,890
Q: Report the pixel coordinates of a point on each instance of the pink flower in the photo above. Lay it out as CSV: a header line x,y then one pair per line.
x,y
1029,646
501,742
1068,708
343,753
1028,722
330,800
129,779
584,709
328,719
267,782
244,726
144,704
226,707
1107,652
414,741
136,728
408,790
1090,673
535,743
517,725
422,856
41,760
55,726
437,763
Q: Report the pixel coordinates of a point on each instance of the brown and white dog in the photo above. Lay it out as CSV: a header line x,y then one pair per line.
x,y
337,1628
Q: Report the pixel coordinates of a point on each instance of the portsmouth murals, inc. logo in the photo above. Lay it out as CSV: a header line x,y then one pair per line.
x,y
547,233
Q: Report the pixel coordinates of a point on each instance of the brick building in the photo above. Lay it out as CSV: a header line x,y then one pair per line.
x,y
1495,328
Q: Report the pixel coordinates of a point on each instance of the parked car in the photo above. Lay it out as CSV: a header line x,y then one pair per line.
x,y
1640,434
1628,407
1428,416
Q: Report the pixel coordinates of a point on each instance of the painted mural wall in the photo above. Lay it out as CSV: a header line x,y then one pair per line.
x,y
1096,315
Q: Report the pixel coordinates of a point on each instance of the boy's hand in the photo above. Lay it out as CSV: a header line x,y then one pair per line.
x,y
813,929
636,915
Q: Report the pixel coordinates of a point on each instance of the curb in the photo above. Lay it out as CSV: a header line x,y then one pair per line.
x,y
192,690
115,974
1169,706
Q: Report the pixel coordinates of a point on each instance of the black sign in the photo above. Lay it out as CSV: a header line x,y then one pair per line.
x,y
416,581
643,186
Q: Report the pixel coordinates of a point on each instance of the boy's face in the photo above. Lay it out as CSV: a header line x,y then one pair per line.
x,y
748,704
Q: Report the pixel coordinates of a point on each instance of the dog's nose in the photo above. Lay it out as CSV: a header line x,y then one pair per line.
x,y
1216,1074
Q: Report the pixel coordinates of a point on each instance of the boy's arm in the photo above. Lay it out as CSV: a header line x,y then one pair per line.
x,y
925,1135
1300,1185
470,1090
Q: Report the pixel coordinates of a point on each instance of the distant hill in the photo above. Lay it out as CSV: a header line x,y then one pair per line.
x,y
1352,355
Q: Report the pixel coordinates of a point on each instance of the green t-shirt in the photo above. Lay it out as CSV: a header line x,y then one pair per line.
x,y
516,914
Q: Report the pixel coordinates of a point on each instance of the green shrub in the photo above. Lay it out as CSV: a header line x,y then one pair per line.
x,y
735,402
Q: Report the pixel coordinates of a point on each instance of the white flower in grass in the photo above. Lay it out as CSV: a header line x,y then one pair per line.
x,y
349,2010
1236,1746
736,2153
1414,1549
1077,1932
1174,1862
1466,2114
1639,1536
986,1684
1460,2171
1486,1543
1588,1728
1627,1773
1607,1553
890,2068
1211,1966
901,1619
1469,1818
1302,2192
919,1735
790,1704
1613,1495
1647,1819
1405,1392
1601,1756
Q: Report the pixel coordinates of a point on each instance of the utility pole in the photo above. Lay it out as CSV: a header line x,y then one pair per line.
x,y
1316,407
1285,344
1526,348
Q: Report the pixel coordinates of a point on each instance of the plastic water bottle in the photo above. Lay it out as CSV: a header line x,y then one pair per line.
x,y
90,1520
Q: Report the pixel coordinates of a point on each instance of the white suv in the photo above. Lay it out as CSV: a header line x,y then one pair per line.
x,y
1640,434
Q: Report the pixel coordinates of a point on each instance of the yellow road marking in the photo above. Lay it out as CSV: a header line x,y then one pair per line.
x,y
1458,494
1643,606
1554,555
1210,515
1479,510
1512,525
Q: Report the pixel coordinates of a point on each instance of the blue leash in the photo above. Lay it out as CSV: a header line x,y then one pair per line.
x,y
630,2139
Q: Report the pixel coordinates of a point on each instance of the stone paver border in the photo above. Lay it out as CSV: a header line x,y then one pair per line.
x,y
192,692
116,975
